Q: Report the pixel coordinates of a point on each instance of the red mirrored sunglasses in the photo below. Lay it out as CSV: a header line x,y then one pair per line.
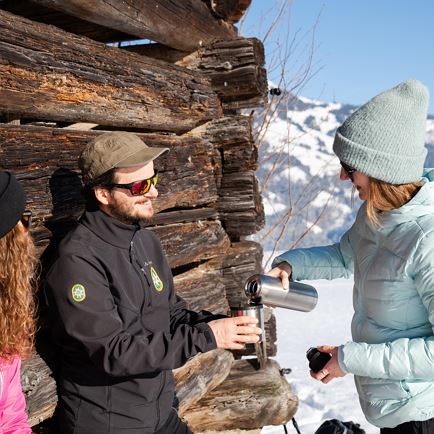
x,y
139,188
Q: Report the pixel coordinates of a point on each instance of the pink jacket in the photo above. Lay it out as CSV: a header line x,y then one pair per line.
x,y
13,418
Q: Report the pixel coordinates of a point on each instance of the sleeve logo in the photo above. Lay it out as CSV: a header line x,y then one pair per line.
x,y
78,293
158,284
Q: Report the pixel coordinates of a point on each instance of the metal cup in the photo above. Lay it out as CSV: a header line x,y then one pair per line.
x,y
255,311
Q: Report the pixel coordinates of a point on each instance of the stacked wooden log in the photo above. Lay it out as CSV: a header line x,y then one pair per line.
x,y
61,85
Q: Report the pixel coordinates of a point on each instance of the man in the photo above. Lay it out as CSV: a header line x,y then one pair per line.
x,y
119,326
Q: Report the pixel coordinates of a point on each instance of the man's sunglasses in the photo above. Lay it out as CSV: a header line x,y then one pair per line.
x,y
348,170
26,219
138,188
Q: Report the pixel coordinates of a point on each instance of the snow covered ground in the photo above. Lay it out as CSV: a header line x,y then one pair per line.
x,y
328,324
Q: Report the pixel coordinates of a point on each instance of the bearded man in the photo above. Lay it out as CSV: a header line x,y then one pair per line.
x,y
118,325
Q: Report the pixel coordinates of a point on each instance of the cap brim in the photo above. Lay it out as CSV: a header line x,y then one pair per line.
x,y
143,156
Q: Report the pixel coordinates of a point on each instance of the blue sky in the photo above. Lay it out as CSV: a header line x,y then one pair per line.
x,y
359,47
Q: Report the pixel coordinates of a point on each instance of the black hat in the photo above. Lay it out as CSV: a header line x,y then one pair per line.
x,y
12,202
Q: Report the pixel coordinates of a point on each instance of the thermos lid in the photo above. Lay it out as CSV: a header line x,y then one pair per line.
x,y
253,286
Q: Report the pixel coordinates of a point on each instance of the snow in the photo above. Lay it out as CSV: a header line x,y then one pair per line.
x,y
327,324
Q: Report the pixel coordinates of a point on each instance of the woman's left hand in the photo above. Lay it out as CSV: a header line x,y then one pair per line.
x,y
332,369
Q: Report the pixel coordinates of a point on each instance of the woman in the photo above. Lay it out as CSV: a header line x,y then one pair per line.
x,y
17,259
390,251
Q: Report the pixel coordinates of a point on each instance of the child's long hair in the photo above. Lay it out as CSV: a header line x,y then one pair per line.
x,y
385,197
17,304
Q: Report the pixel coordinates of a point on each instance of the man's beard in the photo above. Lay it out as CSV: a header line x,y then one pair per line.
x,y
126,213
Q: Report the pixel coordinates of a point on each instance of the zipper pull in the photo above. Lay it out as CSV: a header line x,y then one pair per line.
x,y
146,276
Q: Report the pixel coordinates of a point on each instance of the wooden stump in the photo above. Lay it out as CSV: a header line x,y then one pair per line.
x,y
39,390
248,399
200,375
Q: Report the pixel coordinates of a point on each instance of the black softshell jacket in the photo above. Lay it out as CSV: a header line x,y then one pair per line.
x,y
119,327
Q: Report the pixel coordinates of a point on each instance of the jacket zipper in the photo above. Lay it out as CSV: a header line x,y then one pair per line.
x,y
134,262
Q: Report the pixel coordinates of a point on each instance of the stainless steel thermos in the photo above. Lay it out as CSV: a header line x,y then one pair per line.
x,y
268,290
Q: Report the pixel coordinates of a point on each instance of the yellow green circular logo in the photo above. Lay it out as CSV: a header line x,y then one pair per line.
x,y
78,292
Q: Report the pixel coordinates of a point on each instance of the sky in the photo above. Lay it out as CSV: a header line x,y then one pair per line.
x,y
354,48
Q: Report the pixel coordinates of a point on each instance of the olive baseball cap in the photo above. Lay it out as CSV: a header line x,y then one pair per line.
x,y
115,149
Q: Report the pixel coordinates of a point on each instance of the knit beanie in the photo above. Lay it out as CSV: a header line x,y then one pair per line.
x,y
385,138
12,202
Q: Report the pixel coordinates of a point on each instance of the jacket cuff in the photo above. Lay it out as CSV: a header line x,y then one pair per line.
x,y
205,330
210,317
341,359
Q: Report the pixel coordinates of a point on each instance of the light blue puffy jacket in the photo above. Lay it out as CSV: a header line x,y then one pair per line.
x,y
392,353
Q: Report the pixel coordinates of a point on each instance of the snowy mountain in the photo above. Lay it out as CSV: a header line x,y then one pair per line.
x,y
305,202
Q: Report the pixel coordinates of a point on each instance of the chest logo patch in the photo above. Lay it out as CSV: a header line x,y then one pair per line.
x,y
78,292
158,284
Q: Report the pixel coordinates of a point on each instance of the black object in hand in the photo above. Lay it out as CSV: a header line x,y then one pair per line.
x,y
317,359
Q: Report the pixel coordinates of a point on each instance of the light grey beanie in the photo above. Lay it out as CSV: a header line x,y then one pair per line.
x,y
385,138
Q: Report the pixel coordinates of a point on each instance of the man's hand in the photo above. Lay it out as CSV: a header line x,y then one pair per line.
x,y
283,272
234,333
332,369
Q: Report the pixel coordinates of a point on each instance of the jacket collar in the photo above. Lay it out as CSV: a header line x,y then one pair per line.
x,y
109,229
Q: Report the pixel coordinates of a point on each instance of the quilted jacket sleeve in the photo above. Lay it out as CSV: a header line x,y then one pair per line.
x,y
326,262
411,359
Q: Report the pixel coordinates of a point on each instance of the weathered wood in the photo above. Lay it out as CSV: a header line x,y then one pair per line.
x,y
36,12
157,20
48,74
247,399
81,126
232,135
240,262
235,69
200,375
270,331
184,215
203,289
230,10
156,51
240,204
39,389
192,242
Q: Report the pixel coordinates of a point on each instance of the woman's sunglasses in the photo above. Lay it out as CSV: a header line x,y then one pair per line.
x,y
348,170
26,219
138,188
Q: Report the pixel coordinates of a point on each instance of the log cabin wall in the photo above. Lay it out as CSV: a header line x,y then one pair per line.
x,y
61,85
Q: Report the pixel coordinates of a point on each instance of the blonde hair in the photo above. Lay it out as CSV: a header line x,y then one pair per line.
x,y
17,303
385,197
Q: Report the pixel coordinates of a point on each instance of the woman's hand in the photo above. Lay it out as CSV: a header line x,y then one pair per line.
x,y
283,272
332,369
